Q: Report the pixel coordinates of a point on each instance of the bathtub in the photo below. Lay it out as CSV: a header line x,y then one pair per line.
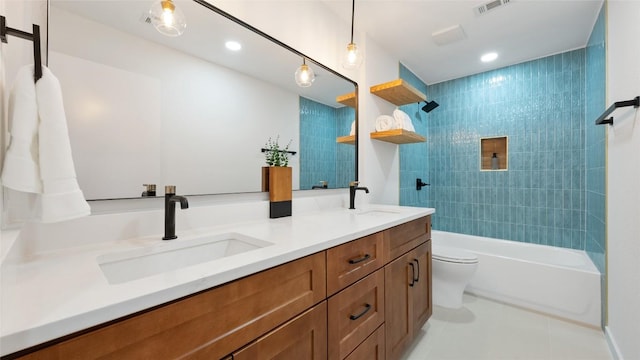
x,y
556,281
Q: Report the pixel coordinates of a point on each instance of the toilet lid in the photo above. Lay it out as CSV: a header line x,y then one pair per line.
x,y
445,253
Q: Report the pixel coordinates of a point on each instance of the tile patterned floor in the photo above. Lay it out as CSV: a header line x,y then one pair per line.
x,y
483,329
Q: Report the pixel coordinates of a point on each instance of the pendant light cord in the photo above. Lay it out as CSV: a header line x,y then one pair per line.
x,y
353,10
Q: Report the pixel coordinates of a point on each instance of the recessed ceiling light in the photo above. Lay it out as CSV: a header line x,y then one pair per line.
x,y
488,57
233,45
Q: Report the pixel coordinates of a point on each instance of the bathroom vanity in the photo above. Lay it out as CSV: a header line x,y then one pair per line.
x,y
360,293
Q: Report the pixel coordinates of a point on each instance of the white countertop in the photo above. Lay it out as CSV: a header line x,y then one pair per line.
x,y
58,292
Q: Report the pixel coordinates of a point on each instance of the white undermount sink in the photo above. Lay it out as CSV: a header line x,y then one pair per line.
x,y
377,212
120,267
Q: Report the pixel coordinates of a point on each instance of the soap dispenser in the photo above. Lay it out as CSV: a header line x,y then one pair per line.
x,y
494,162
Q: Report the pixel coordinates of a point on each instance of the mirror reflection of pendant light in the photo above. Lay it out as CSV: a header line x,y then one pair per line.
x,y
167,18
304,75
353,57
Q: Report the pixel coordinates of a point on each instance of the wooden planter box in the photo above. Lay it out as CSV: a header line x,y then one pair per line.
x,y
277,180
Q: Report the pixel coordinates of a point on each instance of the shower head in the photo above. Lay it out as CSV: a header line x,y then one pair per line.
x,y
430,106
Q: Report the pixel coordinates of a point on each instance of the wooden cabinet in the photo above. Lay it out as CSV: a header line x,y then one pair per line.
x,y
400,239
361,300
303,338
407,298
354,314
210,324
352,261
422,296
398,306
370,349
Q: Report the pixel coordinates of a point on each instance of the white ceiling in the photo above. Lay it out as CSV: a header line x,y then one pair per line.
x,y
518,31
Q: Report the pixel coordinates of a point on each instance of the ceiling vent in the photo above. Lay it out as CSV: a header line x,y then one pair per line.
x,y
492,5
448,35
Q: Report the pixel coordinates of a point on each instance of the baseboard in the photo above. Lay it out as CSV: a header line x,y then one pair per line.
x,y
613,347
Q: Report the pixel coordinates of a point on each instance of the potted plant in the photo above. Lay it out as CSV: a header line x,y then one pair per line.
x,y
275,156
276,178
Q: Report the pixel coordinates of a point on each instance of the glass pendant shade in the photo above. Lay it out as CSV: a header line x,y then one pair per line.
x,y
167,18
304,76
353,57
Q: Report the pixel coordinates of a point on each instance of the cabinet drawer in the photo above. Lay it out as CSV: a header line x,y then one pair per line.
x,y
210,324
352,261
304,337
402,238
370,349
354,313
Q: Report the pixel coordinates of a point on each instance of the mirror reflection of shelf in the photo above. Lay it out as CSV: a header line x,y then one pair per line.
x,y
398,92
349,139
398,136
347,99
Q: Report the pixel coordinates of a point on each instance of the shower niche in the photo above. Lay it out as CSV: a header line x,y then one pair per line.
x,y
494,153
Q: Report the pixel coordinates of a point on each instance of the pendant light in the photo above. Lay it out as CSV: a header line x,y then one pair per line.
x,y
167,18
304,75
353,57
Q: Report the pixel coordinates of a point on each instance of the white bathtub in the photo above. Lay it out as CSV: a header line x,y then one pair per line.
x,y
560,282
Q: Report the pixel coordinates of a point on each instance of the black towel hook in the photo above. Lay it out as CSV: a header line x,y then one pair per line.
x,y
34,37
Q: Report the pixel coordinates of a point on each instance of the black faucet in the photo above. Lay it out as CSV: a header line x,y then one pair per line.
x,y
353,186
170,198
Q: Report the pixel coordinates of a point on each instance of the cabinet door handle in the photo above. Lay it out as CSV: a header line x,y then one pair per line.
x,y
367,307
417,278
360,259
413,274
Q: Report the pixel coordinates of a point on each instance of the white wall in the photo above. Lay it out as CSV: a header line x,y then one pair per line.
x,y
623,179
380,168
133,122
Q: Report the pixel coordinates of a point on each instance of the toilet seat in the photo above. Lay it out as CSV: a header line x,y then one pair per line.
x,y
453,255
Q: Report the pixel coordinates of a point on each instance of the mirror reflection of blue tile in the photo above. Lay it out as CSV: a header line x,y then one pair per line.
x,y
321,158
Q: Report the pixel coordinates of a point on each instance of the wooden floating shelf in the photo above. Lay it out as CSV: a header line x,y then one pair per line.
x,y
398,92
350,139
398,136
347,99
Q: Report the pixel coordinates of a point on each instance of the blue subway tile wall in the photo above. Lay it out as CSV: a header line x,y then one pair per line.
x,y
595,144
540,106
321,158
413,160
345,153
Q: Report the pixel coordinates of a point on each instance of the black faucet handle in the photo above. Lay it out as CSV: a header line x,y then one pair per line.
x,y
170,189
420,184
354,183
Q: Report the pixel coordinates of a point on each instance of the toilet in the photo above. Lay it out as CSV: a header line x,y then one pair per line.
x,y
452,270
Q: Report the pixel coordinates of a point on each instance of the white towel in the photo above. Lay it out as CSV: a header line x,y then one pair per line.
x,y
21,171
353,128
39,157
402,120
384,123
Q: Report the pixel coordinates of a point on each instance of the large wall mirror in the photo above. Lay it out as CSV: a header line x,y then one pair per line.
x,y
186,111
